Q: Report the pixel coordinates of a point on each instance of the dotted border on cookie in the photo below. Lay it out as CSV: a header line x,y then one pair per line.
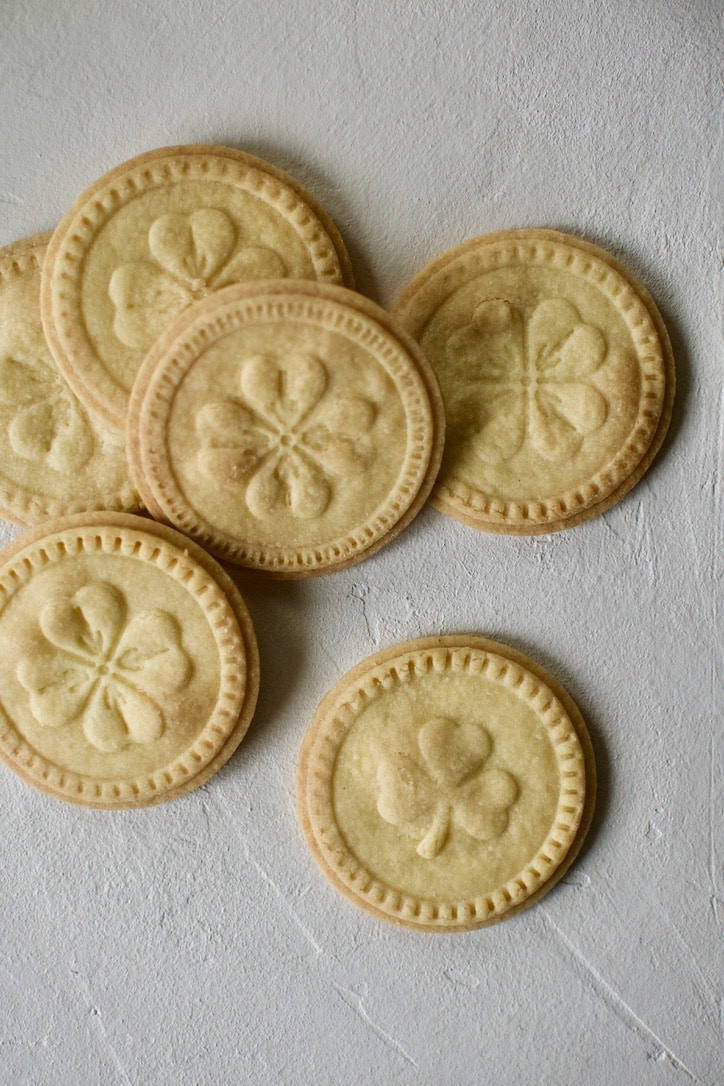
x,y
19,754
17,503
489,253
63,317
169,371
332,727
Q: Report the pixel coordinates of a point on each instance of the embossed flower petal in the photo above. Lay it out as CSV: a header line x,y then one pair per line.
x,y
348,416
550,434
503,433
287,482
56,433
87,623
25,382
192,247
226,424
580,404
283,393
406,795
337,455
308,492
251,263
59,687
146,300
481,805
452,751
578,355
265,493
117,714
150,654
550,323
232,441
491,347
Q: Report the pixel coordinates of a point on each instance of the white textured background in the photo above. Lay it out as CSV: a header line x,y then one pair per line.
x,y
195,943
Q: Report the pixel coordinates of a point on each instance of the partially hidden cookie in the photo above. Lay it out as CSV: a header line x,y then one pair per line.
x,y
129,669
291,428
159,232
446,783
557,375
54,459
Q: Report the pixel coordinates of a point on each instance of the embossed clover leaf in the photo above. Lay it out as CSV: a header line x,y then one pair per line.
x,y
103,669
425,793
535,373
286,437
47,424
194,256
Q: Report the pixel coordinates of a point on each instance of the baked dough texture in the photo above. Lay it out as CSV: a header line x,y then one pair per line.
x,y
446,783
129,670
557,375
155,234
292,428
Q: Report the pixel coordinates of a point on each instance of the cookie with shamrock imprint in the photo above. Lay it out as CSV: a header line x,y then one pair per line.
x,y
446,783
291,428
129,668
557,375
159,232
54,460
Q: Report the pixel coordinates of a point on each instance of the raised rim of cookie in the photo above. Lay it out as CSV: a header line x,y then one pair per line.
x,y
398,663
165,366
616,478
217,594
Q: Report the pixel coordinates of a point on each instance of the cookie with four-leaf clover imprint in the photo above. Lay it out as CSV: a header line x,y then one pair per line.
x,y
446,783
557,375
54,460
291,428
129,668
158,232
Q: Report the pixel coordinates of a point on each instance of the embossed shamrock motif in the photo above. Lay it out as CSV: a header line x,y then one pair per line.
x,y
194,256
535,372
47,424
444,783
104,669
285,437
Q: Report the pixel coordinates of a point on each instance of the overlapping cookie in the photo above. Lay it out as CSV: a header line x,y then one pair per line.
x,y
288,427
557,375
159,232
129,671
54,459
446,783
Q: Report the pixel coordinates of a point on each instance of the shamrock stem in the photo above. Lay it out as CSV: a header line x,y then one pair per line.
x,y
436,836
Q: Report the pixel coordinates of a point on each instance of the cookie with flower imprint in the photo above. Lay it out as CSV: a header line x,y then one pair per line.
x,y
155,234
55,459
557,374
129,671
446,783
290,428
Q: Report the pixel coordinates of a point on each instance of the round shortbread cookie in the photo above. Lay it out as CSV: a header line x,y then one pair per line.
x,y
129,671
287,427
159,232
54,460
557,375
446,783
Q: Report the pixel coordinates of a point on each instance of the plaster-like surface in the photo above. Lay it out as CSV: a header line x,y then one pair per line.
x,y
195,943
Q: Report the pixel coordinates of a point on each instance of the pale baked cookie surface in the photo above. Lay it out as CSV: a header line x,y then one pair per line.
x,y
129,668
159,232
446,783
290,428
54,459
557,376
